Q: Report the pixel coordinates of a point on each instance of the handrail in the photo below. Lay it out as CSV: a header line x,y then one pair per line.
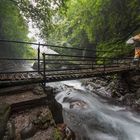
x,y
56,46
52,64
34,59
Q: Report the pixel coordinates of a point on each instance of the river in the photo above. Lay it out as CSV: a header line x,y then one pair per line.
x,y
94,118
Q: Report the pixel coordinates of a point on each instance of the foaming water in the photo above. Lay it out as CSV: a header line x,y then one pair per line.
x,y
93,118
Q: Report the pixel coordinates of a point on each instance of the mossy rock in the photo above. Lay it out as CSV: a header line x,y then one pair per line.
x,y
43,120
4,115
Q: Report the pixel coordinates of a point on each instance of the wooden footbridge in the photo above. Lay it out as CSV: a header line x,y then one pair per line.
x,y
68,64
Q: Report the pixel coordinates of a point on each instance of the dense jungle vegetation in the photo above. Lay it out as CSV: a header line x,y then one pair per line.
x,y
94,24
13,27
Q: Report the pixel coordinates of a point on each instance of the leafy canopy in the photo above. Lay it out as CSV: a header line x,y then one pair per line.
x,y
104,24
100,24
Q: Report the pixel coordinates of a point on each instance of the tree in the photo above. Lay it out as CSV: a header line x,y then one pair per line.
x,y
13,27
89,24
105,24
41,12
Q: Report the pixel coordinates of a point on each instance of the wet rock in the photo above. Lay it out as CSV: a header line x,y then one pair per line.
x,y
79,104
28,131
112,88
63,132
69,134
35,65
129,99
101,83
4,115
138,102
132,78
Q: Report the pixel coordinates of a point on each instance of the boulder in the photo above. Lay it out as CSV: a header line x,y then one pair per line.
x,y
35,65
28,131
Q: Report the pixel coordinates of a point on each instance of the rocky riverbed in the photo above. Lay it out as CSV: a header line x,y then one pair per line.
x,y
123,89
81,107
36,123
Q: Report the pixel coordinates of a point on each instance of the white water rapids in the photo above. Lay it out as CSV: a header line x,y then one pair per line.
x,y
93,118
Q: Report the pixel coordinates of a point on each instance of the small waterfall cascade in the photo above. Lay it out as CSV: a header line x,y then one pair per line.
x,y
94,118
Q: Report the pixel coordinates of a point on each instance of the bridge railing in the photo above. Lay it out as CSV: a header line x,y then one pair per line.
x,y
12,64
16,65
66,60
74,62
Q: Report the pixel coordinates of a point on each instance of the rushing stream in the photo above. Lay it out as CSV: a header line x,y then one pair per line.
x,y
94,118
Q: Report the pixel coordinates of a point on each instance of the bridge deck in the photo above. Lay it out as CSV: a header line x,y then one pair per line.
x,y
11,79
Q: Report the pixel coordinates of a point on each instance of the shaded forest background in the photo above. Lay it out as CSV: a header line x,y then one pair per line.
x,y
88,24
13,26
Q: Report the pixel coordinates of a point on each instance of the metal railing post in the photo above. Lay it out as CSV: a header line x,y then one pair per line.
x,y
39,57
44,68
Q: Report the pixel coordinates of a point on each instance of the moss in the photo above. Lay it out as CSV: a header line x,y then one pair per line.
x,y
57,135
3,108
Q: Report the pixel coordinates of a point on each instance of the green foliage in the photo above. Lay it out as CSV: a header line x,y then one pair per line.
x,y
13,27
41,12
101,24
57,135
113,49
88,24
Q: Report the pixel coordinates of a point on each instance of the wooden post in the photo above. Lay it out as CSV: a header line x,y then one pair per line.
x,y
39,57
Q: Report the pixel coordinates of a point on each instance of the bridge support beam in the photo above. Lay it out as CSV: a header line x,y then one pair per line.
x,y
55,107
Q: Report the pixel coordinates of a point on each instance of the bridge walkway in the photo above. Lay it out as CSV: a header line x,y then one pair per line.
x,y
53,67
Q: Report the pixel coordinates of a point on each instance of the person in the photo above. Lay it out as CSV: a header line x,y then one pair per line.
x,y
137,47
136,42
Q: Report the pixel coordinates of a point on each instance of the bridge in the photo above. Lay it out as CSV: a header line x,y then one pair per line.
x,y
69,64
